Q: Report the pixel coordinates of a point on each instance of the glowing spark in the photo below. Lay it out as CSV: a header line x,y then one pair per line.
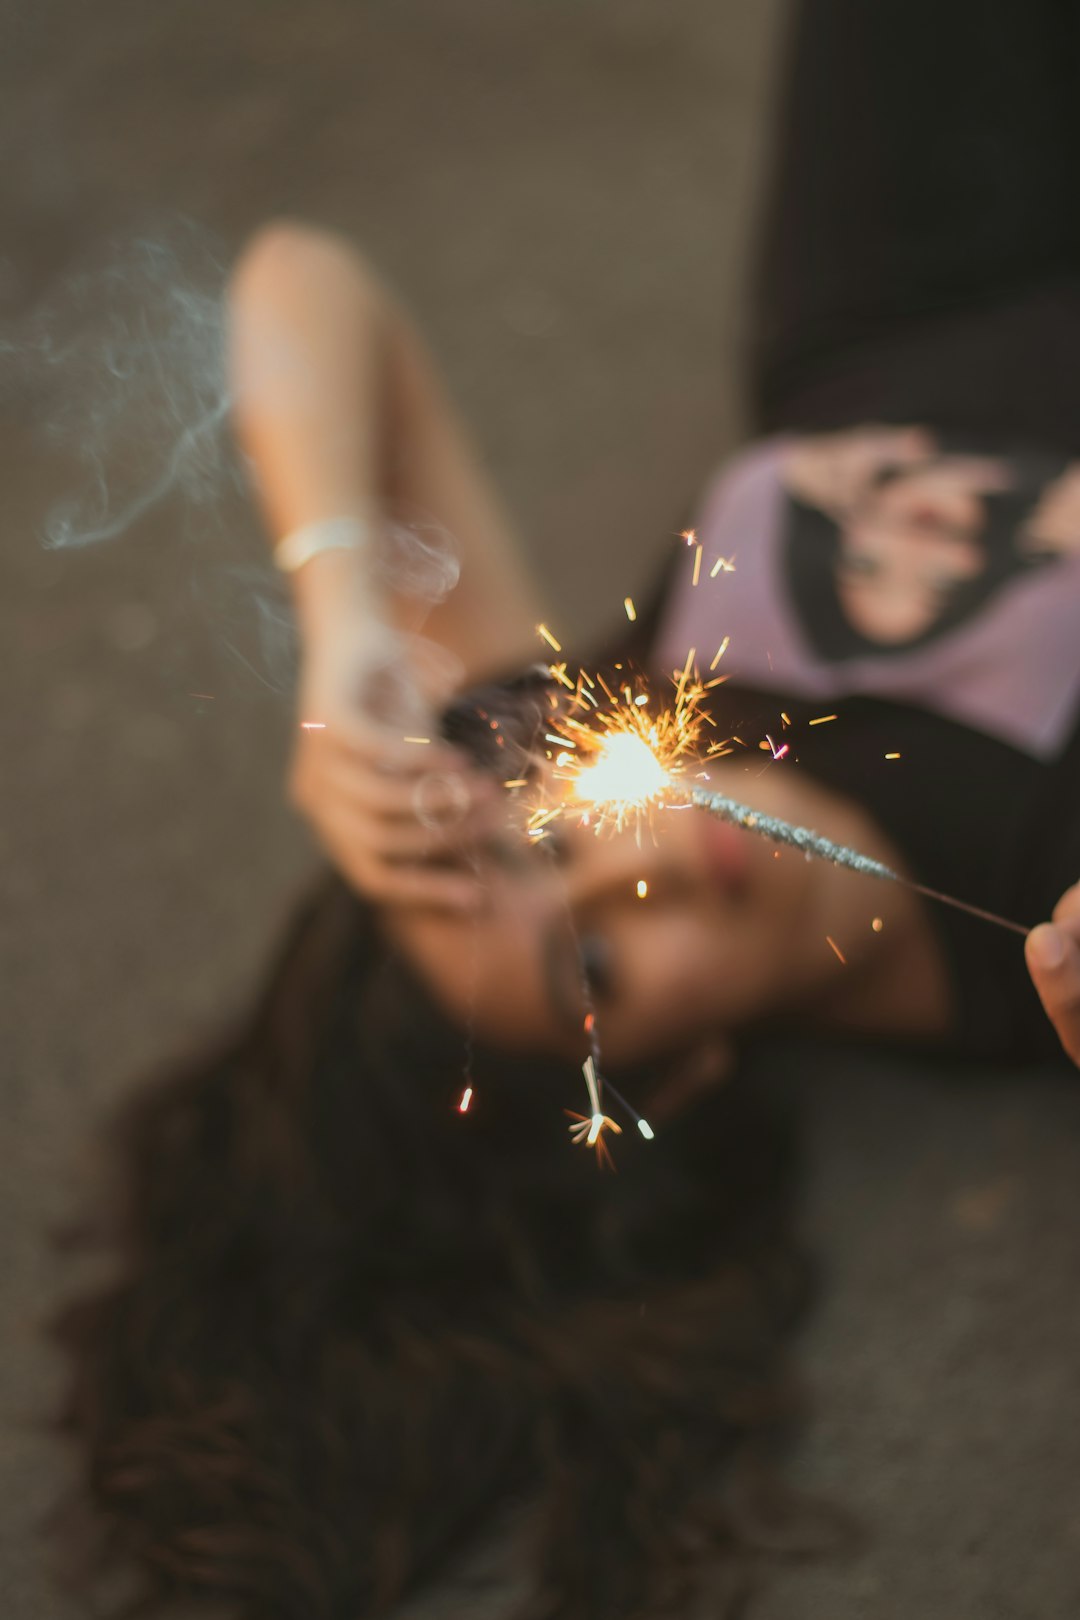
x,y
416,739
786,718
646,1130
466,1099
724,563
720,651
626,772
588,1069
516,782
542,817
829,940
892,756
589,1129
622,757
877,925
687,667
313,725
542,630
823,719
209,696
690,536
697,565
642,888
631,610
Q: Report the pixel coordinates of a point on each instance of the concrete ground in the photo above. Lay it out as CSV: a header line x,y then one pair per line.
x,y
563,194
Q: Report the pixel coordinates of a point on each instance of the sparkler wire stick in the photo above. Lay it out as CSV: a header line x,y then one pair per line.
x,y
812,843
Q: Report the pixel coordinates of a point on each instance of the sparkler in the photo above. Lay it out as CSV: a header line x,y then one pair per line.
x,y
622,757
623,761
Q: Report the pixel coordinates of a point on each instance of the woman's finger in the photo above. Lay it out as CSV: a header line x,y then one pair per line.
x,y
393,882
439,800
412,841
433,887
389,752
1067,911
1053,958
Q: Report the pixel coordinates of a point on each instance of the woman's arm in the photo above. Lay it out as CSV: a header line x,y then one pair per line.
x,y
1053,958
341,416
340,411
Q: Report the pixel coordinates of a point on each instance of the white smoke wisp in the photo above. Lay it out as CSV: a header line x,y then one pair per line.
x,y
420,559
123,368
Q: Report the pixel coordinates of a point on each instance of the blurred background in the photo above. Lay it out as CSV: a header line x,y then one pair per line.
x,y
564,194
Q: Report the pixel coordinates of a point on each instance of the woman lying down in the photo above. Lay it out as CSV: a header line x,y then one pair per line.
x,y
359,1311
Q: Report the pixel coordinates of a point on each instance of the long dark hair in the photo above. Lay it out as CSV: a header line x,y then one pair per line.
x,y
348,1323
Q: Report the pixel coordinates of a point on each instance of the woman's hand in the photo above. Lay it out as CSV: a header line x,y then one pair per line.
x,y
833,471
1054,526
1053,959
397,816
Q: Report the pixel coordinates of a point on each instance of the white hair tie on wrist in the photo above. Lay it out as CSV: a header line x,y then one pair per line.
x,y
350,533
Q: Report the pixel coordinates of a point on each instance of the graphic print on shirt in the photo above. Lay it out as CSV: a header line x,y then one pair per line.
x,y
875,562
885,554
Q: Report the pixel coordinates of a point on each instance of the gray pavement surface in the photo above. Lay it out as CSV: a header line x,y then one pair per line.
x,y
563,193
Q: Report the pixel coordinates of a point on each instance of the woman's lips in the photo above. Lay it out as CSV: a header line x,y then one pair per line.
x,y
727,853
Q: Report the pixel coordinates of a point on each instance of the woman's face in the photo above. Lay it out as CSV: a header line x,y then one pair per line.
x,y
710,945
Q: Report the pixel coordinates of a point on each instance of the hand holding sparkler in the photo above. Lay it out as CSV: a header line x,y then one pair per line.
x,y
1053,958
